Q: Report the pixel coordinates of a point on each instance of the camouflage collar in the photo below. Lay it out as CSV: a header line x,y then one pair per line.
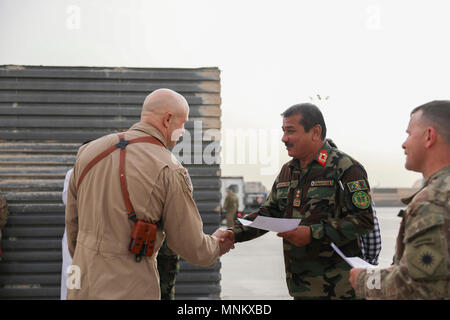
x,y
321,157
149,130
294,164
435,175
407,200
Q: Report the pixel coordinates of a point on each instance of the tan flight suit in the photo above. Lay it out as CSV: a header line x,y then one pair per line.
x,y
98,228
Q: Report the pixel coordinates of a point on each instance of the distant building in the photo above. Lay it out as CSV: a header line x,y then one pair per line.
x,y
391,197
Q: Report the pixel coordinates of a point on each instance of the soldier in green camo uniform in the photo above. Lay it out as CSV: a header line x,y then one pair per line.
x,y
3,218
231,205
168,267
421,268
329,191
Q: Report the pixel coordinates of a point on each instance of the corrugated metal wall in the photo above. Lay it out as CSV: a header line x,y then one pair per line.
x,y
45,114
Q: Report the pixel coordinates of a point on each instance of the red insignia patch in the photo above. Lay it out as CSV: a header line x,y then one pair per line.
x,y
322,158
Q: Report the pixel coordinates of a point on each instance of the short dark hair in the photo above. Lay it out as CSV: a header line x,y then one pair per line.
x,y
311,116
437,113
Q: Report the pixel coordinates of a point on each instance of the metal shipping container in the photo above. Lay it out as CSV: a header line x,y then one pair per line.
x,y
45,115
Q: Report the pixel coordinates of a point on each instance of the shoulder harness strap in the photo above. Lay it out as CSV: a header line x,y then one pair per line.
x,y
123,182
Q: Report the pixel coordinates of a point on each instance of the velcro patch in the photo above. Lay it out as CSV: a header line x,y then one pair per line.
x,y
357,185
426,259
187,179
423,224
361,199
322,183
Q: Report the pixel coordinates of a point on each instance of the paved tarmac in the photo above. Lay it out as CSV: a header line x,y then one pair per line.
x,y
254,270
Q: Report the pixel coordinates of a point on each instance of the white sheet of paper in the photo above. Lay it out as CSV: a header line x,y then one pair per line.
x,y
355,262
272,224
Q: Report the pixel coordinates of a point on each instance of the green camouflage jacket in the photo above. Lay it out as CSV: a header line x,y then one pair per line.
x,y
331,195
421,268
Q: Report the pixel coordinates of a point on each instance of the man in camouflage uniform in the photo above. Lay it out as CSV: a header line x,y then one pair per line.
x,y
231,205
329,191
168,267
421,268
3,218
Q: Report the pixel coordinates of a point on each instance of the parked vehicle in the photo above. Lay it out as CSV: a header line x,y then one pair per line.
x,y
255,195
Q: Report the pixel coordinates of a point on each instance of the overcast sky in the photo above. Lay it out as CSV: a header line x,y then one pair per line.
x,y
375,60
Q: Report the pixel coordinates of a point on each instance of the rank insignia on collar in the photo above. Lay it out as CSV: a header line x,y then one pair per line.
x,y
322,158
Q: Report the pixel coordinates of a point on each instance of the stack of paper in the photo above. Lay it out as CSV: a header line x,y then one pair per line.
x,y
272,224
284,225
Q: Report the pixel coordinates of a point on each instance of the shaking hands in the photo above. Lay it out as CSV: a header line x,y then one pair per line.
x,y
226,240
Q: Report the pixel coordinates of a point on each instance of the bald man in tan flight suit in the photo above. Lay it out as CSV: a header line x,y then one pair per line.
x,y
160,191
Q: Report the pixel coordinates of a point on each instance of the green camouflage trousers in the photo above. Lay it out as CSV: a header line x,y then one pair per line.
x,y
3,216
168,267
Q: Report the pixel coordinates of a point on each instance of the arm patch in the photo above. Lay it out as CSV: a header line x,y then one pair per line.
x,y
187,183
